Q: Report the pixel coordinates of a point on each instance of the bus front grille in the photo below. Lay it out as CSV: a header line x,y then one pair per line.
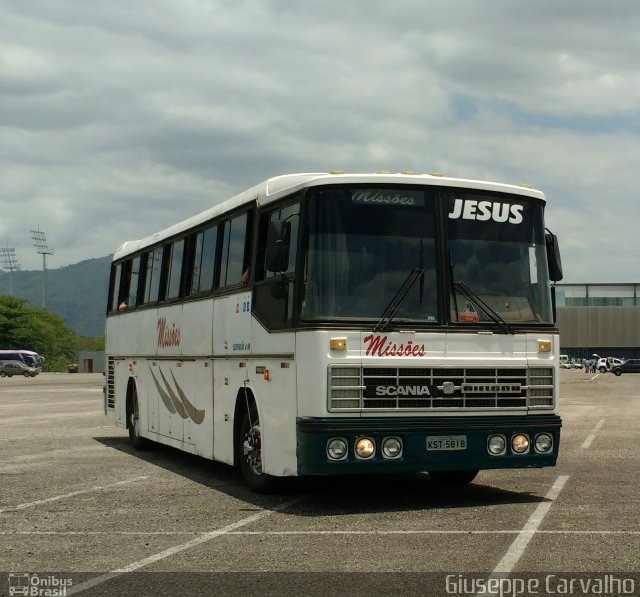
x,y
424,388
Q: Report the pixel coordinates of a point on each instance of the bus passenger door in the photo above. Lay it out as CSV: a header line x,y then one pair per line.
x,y
167,377
197,396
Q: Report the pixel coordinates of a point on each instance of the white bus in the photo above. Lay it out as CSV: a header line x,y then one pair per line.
x,y
332,323
28,357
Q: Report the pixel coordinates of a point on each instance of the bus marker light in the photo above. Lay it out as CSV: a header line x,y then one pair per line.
x,y
543,443
267,375
284,365
365,448
544,345
337,448
130,367
520,443
338,344
497,445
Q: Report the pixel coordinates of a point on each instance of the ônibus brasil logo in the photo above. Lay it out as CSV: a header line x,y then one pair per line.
x,y
167,336
381,346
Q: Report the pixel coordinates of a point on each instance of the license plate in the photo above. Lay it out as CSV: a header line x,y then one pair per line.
x,y
446,442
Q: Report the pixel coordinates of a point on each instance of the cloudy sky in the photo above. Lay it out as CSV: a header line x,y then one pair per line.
x,y
119,118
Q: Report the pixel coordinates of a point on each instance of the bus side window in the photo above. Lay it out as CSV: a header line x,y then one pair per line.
x,y
174,265
273,295
125,298
235,250
135,279
116,274
202,260
152,276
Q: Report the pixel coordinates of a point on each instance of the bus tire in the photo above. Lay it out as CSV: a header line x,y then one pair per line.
x,y
250,455
133,421
453,477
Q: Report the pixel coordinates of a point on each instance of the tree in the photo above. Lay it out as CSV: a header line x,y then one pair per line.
x,y
36,328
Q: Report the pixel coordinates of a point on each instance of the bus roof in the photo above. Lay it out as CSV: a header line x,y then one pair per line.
x,y
277,187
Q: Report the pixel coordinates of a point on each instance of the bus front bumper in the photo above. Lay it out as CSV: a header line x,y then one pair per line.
x,y
426,444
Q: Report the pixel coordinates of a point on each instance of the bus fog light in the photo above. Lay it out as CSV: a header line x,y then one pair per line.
x,y
497,444
365,448
391,447
337,448
543,443
520,443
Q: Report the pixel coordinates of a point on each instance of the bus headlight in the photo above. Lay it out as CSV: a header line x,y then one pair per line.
x,y
497,444
365,448
337,448
543,443
391,447
520,443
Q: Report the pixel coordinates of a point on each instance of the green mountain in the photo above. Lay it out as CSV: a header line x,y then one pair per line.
x,y
78,293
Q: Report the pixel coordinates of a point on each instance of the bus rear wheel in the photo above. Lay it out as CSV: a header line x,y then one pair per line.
x,y
250,455
453,477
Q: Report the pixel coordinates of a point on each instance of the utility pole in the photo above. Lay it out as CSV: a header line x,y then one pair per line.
x,y
40,243
9,262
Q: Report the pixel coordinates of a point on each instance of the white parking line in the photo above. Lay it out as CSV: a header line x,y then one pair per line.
x,y
63,433
65,390
177,549
514,553
39,404
44,418
587,442
57,498
312,533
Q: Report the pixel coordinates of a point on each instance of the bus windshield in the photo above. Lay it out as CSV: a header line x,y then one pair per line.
x,y
364,243
496,251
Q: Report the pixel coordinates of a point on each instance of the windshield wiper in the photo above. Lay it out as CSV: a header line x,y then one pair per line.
x,y
392,308
463,289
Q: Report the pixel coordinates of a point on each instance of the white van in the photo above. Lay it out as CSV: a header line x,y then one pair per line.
x,y
564,361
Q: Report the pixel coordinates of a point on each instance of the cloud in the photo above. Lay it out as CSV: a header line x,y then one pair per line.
x,y
118,119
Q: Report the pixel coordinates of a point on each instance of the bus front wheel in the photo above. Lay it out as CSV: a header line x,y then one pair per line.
x,y
453,477
133,422
250,455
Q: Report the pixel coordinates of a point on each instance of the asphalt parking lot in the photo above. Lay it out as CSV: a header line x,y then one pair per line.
x,y
87,514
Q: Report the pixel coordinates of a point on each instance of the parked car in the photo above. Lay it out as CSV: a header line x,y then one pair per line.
x,y
11,368
608,363
630,366
570,364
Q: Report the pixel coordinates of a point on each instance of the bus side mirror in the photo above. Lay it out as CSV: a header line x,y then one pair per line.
x,y
553,256
278,243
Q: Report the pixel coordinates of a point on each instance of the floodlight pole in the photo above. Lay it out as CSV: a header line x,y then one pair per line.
x,y
9,262
40,243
